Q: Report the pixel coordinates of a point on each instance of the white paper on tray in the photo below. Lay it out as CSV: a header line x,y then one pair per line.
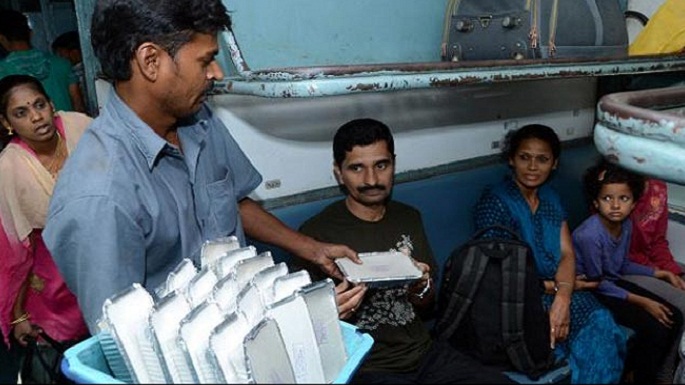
x,y
127,315
250,304
293,319
264,280
286,285
214,249
323,311
194,337
165,321
267,356
387,268
226,349
246,269
200,286
225,293
225,264
177,279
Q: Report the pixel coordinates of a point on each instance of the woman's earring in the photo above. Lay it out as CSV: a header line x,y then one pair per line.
x,y
9,130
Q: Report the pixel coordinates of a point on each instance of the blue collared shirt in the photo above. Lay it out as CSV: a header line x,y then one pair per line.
x,y
129,206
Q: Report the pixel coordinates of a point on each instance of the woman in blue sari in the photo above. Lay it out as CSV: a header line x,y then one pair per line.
x,y
581,329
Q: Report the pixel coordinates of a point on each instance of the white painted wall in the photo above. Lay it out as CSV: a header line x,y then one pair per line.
x,y
289,140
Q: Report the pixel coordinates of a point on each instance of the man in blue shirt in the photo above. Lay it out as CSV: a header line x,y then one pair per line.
x,y
157,173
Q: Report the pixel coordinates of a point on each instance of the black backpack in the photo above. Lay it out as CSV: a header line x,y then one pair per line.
x,y
490,306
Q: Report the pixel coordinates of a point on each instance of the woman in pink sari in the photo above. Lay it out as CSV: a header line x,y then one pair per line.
x,y
32,292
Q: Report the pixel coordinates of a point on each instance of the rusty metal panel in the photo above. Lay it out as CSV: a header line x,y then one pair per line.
x,y
304,82
644,131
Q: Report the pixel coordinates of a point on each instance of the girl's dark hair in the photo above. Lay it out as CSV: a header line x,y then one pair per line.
x,y
513,140
119,27
604,173
8,83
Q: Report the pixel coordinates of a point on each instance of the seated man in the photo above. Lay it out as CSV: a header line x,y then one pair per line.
x,y
367,220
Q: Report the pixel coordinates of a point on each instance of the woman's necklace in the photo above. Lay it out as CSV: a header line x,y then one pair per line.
x,y
58,158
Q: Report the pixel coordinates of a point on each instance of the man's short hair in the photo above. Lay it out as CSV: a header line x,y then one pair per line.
x,y
68,40
360,132
14,25
119,27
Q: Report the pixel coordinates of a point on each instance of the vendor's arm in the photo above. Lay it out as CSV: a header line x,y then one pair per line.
x,y
265,227
99,249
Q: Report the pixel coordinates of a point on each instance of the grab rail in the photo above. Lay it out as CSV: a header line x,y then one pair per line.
x,y
644,131
303,82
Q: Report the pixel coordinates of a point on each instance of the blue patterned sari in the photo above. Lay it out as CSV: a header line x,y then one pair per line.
x,y
596,345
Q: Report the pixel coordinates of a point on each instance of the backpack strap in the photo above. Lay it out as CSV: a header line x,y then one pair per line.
x,y
461,297
513,233
513,303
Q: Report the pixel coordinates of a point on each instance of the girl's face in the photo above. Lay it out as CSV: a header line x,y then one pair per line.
x,y
532,163
614,202
30,114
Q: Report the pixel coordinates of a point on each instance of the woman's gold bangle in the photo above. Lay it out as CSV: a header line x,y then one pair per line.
x,y
22,318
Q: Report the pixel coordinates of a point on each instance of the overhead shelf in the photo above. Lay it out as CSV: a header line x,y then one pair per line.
x,y
307,82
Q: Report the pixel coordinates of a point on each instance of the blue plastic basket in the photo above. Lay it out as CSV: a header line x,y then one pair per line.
x,y
85,363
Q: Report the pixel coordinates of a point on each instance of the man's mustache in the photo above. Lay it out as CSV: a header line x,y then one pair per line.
x,y
364,189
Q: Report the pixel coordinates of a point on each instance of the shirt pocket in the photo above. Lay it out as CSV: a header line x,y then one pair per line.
x,y
223,208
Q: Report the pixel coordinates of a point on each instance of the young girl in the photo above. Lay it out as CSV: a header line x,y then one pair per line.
x,y
601,245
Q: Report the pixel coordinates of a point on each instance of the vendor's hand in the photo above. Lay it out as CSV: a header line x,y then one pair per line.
x,y
24,329
326,253
348,297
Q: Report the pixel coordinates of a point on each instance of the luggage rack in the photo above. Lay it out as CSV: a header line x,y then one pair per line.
x,y
317,81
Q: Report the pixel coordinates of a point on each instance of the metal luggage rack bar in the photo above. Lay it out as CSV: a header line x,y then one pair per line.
x,y
306,82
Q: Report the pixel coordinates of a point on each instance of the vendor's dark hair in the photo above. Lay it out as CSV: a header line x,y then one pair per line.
x,y
119,27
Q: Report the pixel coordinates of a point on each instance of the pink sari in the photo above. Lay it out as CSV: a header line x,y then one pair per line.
x,y
25,193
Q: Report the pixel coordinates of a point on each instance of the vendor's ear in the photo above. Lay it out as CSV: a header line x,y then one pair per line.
x,y
147,59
